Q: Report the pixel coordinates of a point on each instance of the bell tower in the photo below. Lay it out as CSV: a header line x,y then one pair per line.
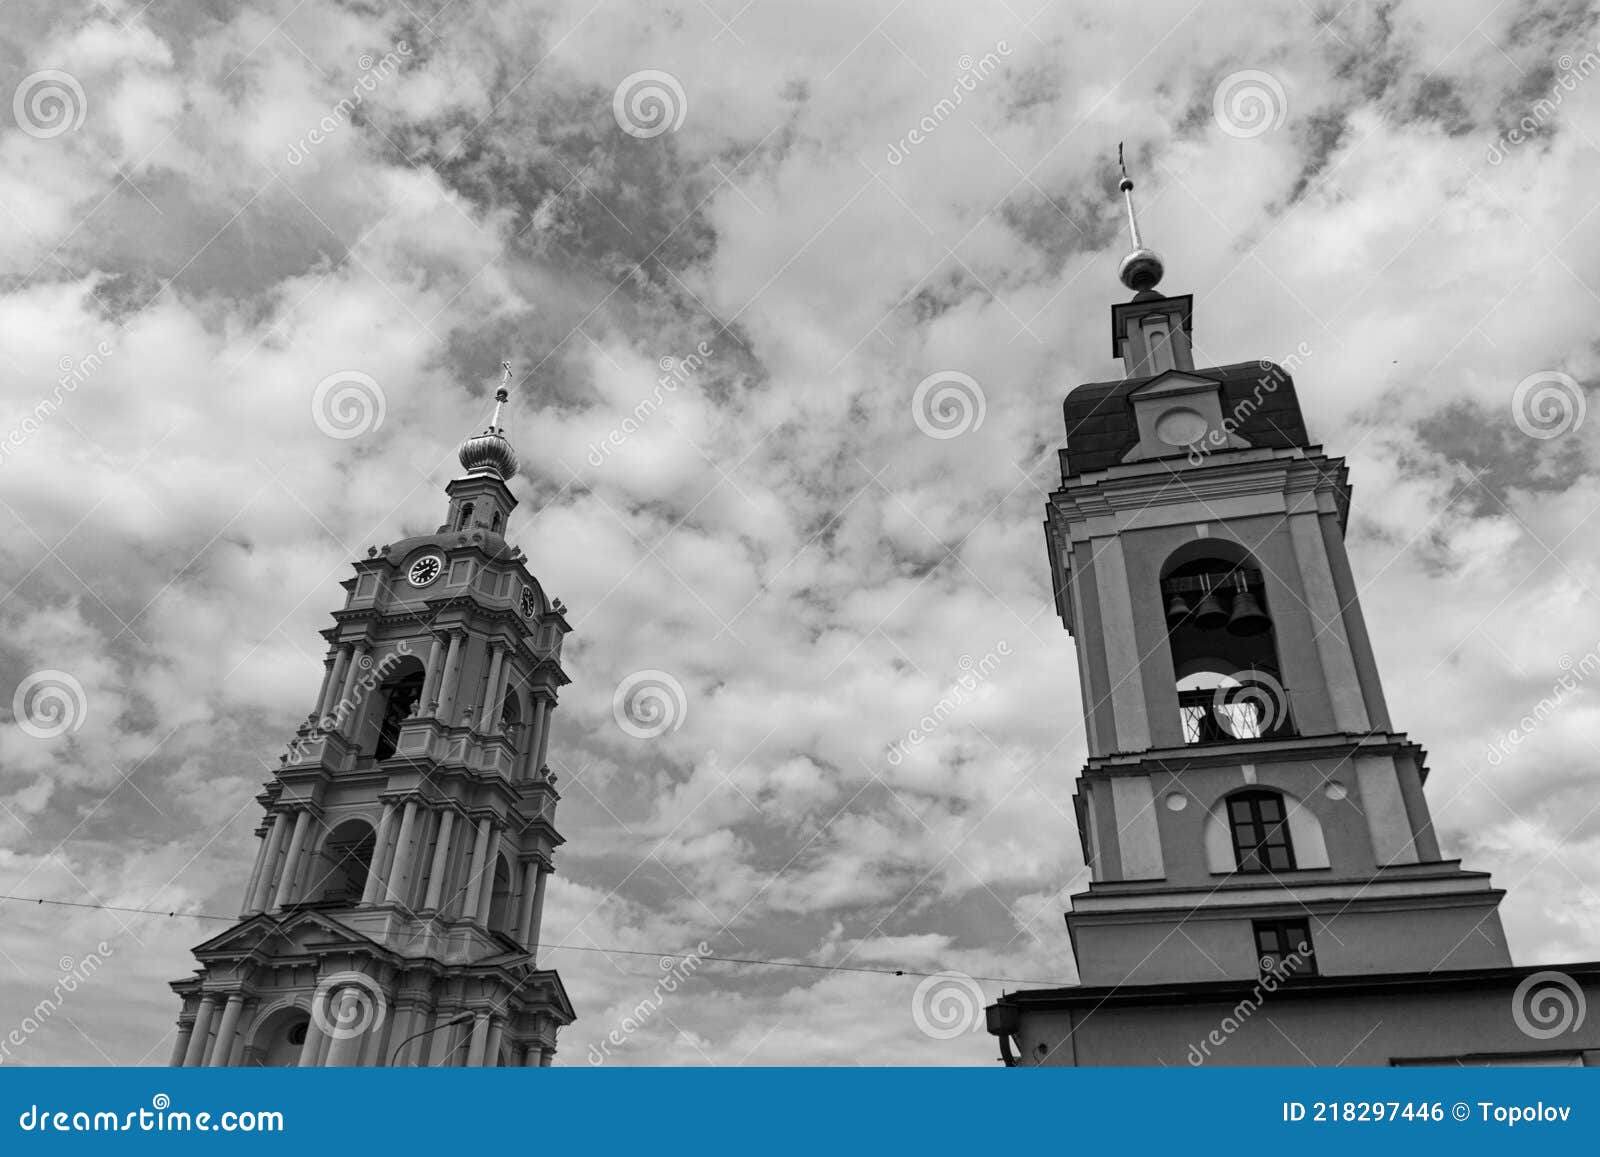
x,y
394,910
1247,804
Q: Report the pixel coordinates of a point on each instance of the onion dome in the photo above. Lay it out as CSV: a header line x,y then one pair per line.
x,y
489,453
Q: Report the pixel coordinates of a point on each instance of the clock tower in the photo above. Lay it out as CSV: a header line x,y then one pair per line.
x,y
393,914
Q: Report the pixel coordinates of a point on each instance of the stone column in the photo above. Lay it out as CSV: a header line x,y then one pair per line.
x,y
402,854
270,849
530,1057
486,890
202,1030
541,724
547,1056
227,1031
489,718
344,1046
330,690
442,1042
491,1048
480,851
380,851
351,674
430,682
537,920
544,735
480,1041
181,1046
441,861
530,883
291,861
450,677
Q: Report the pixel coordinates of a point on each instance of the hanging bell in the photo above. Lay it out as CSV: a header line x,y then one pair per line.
x,y
1248,618
1209,615
1177,611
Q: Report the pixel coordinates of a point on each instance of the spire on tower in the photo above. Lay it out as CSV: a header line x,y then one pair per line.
x,y
1142,268
489,452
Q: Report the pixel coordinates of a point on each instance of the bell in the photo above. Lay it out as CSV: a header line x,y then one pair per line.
x,y
1248,618
1177,611
1209,615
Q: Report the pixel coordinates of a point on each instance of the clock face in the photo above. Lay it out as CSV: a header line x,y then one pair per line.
x,y
425,570
530,605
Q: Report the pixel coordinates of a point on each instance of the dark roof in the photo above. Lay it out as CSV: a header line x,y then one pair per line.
x,y
1101,429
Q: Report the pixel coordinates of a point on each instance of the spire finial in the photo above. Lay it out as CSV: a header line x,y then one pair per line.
x,y
501,395
1142,268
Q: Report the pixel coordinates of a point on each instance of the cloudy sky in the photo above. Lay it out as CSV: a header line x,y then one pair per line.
x,y
196,235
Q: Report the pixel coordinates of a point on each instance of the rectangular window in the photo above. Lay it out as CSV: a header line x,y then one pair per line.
x,y
1284,947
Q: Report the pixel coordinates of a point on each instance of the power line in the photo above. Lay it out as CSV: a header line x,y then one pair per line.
x,y
753,961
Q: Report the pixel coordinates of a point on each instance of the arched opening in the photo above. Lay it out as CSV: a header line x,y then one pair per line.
x,y
277,1038
494,523
340,870
400,694
500,898
1224,649
465,519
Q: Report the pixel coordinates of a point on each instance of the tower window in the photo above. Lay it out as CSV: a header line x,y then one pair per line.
x,y
399,703
1260,828
1283,947
466,517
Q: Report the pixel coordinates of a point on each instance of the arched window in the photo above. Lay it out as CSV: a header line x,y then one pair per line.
x,y
1259,824
500,899
339,874
466,517
1224,651
494,523
400,698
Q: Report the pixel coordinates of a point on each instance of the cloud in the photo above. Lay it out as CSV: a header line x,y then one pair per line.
x,y
774,530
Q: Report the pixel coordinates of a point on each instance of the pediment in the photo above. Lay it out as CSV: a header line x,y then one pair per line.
x,y
1176,382
297,934
1179,413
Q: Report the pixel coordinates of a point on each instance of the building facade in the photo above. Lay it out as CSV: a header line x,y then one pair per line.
x,y
393,914
1266,884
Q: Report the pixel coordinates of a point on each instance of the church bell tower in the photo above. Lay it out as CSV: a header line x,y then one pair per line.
x,y
393,914
1247,798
